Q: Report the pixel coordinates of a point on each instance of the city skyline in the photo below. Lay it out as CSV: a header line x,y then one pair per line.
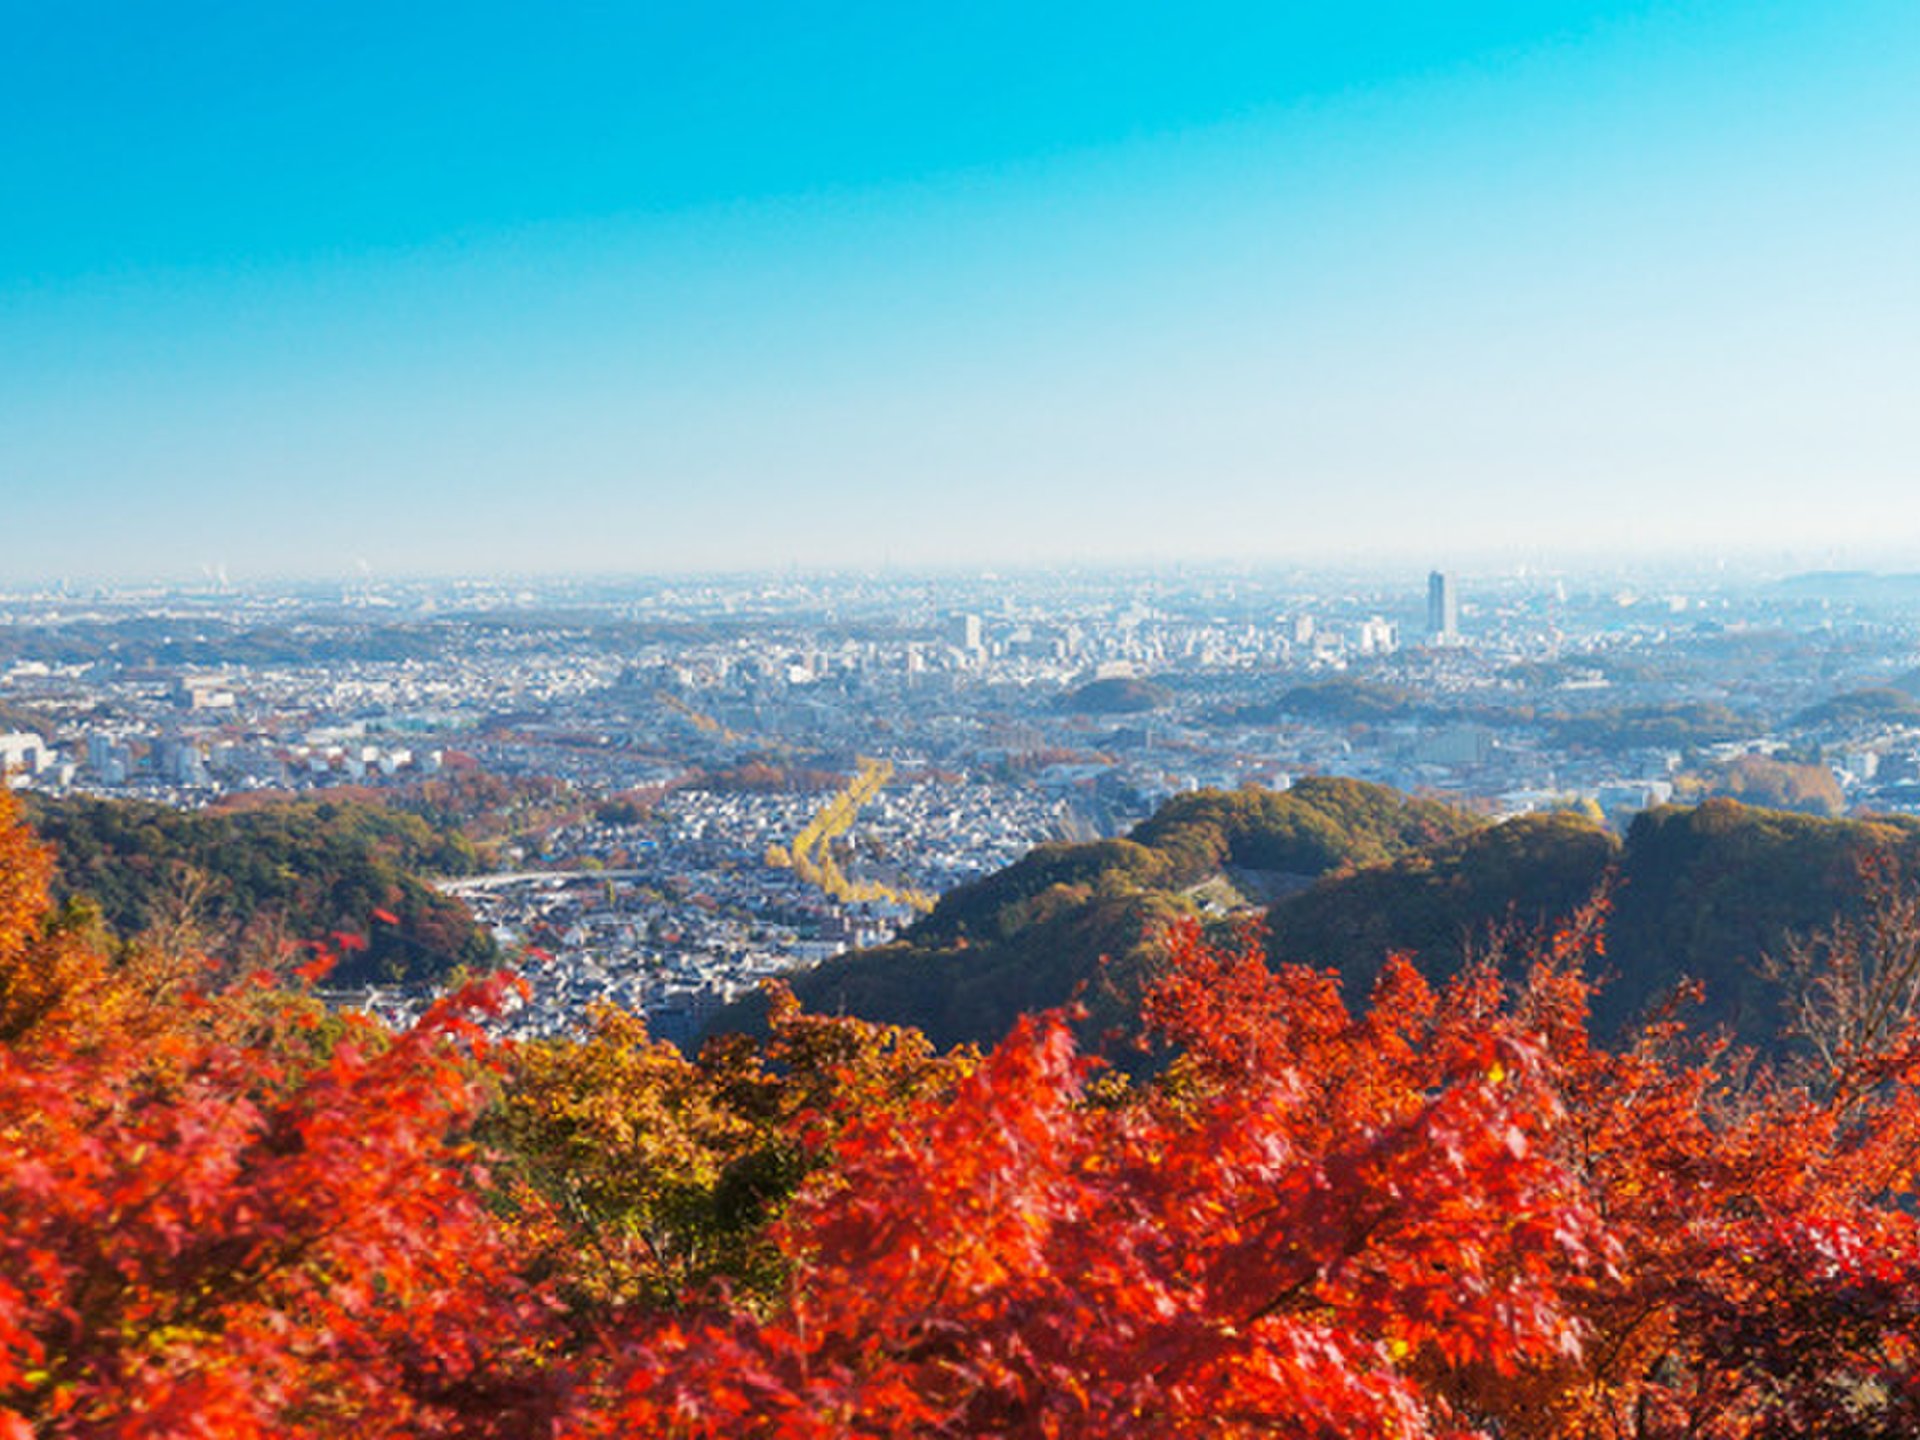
x,y
445,294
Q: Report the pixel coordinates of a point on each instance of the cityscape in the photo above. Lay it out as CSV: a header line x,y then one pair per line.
x,y
916,722
689,730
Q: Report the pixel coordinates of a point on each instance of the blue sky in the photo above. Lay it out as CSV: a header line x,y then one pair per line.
x,y
295,288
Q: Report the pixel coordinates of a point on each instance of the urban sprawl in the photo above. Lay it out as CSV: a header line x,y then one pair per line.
x,y
773,770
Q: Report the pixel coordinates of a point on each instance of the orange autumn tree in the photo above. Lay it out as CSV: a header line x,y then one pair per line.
x,y
226,1216
1299,1231
1769,1280
1451,1214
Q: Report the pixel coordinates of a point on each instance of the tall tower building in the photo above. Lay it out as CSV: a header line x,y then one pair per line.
x,y
1443,607
965,633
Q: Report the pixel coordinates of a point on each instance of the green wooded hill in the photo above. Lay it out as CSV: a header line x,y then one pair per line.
x,y
1881,706
1114,697
1706,892
249,879
1439,901
1711,889
1027,937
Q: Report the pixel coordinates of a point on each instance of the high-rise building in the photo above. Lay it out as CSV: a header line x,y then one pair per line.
x,y
1443,607
1378,637
965,633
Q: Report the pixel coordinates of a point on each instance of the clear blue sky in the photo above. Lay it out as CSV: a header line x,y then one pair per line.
x,y
295,287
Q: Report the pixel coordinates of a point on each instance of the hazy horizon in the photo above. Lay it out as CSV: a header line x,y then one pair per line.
x,y
1660,571
464,291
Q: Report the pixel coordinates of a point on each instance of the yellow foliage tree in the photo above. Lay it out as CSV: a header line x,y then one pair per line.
x,y
639,1174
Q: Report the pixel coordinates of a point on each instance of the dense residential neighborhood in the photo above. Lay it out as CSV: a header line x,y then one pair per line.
x,y
687,730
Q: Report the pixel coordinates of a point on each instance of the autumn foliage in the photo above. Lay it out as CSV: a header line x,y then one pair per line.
x,y
230,1215
227,1211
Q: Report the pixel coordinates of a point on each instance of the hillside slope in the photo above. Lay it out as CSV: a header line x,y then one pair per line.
x,y
1032,935
250,879
1706,892
1438,902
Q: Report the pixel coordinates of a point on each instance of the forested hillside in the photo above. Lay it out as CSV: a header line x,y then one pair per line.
x,y
1342,874
1032,935
245,884
1712,893
1437,902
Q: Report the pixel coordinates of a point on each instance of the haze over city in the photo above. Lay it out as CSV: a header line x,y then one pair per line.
x,y
461,289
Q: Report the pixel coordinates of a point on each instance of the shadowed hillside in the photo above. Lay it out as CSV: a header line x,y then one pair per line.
x,y
1032,935
1439,901
1704,892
